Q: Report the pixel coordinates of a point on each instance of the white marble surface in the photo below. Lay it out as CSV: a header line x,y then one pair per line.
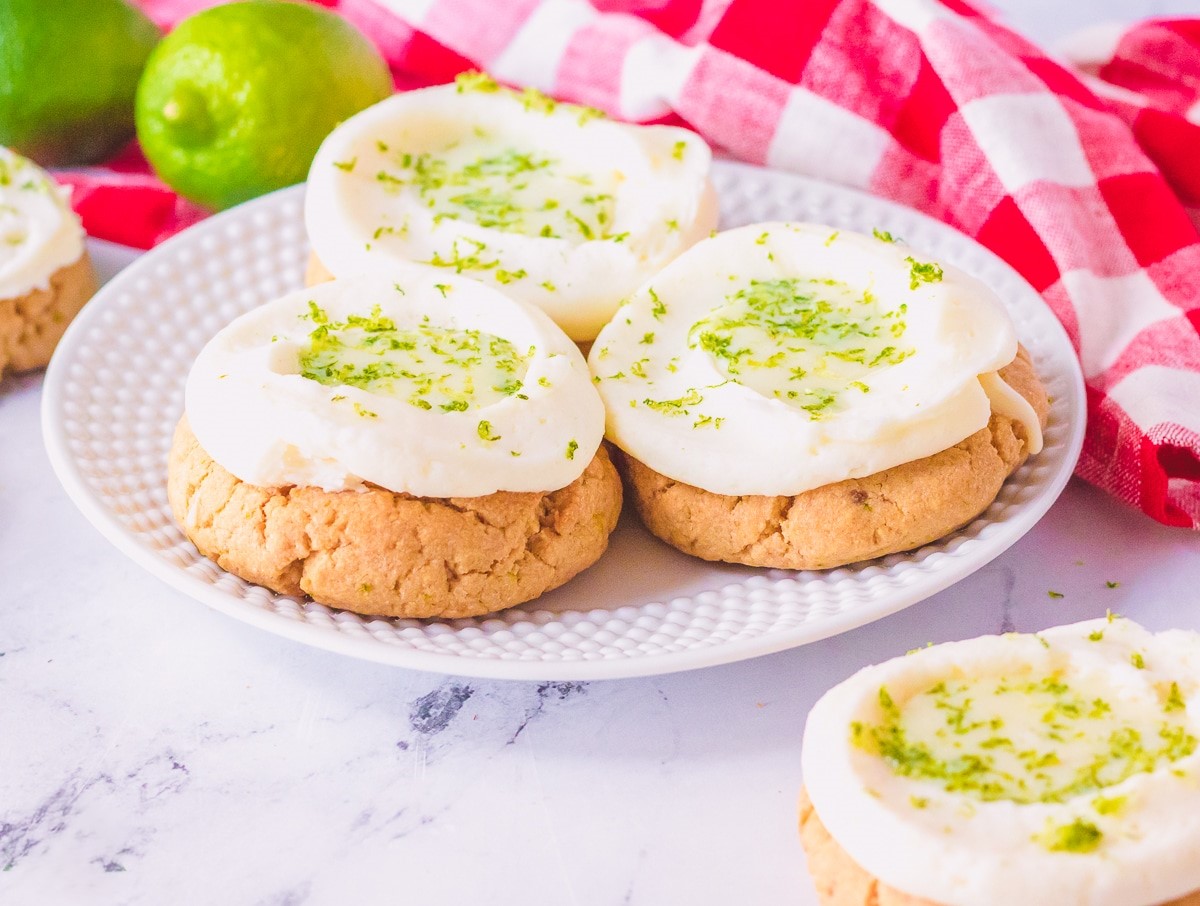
x,y
154,751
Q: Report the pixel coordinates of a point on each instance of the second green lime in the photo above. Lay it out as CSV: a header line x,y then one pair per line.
x,y
235,101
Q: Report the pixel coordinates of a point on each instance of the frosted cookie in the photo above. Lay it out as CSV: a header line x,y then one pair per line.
x,y
563,208
1056,769
420,446
792,396
45,273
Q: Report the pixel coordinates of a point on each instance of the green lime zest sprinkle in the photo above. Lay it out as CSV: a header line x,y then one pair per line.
x,y
363,412
442,288
1175,700
347,165
587,114
537,101
1109,805
950,735
583,226
832,238
1077,837
484,430
659,309
676,406
678,148
1138,660
1111,584
430,367
923,272
822,334
475,81
572,446
1096,635
1054,594
883,235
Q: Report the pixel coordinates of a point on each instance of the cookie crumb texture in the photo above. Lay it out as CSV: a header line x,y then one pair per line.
x,y
840,881
385,554
897,509
31,325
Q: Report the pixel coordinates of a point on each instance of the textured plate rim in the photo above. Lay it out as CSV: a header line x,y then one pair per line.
x,y
1021,518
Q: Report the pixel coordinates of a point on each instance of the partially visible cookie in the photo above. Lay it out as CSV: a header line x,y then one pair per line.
x,y
1056,768
31,325
857,519
45,273
394,555
840,881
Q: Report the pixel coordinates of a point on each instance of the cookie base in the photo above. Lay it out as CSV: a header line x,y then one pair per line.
x,y
840,881
31,325
385,554
849,521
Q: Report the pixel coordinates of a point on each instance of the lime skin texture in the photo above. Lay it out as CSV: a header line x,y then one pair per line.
x,y
68,75
236,100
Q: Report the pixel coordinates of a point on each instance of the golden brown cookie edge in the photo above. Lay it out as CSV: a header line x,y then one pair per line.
x,y
287,539
845,522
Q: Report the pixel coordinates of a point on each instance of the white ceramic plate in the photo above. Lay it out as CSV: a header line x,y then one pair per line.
x,y
115,390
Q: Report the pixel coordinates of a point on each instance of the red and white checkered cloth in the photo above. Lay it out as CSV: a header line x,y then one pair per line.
x,y
1088,182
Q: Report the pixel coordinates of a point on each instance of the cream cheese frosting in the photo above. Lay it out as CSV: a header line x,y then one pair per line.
x,y
39,233
563,208
1051,769
780,357
424,383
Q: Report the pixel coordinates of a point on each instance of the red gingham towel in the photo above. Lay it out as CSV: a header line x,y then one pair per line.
x,y
1088,184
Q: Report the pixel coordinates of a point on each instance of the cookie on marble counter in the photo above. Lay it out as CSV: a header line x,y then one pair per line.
x,y
1057,768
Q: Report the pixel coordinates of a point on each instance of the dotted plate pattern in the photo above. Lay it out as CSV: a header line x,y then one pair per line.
x,y
115,391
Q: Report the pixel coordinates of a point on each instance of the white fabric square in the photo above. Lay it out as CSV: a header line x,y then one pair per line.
x,y
1027,137
653,74
1111,311
915,14
411,11
1156,394
818,138
532,56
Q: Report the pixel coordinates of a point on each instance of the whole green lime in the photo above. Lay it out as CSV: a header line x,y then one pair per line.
x,y
235,101
68,73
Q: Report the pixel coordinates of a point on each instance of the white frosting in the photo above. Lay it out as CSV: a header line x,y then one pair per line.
x,y
425,383
1046,715
39,233
777,358
564,209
